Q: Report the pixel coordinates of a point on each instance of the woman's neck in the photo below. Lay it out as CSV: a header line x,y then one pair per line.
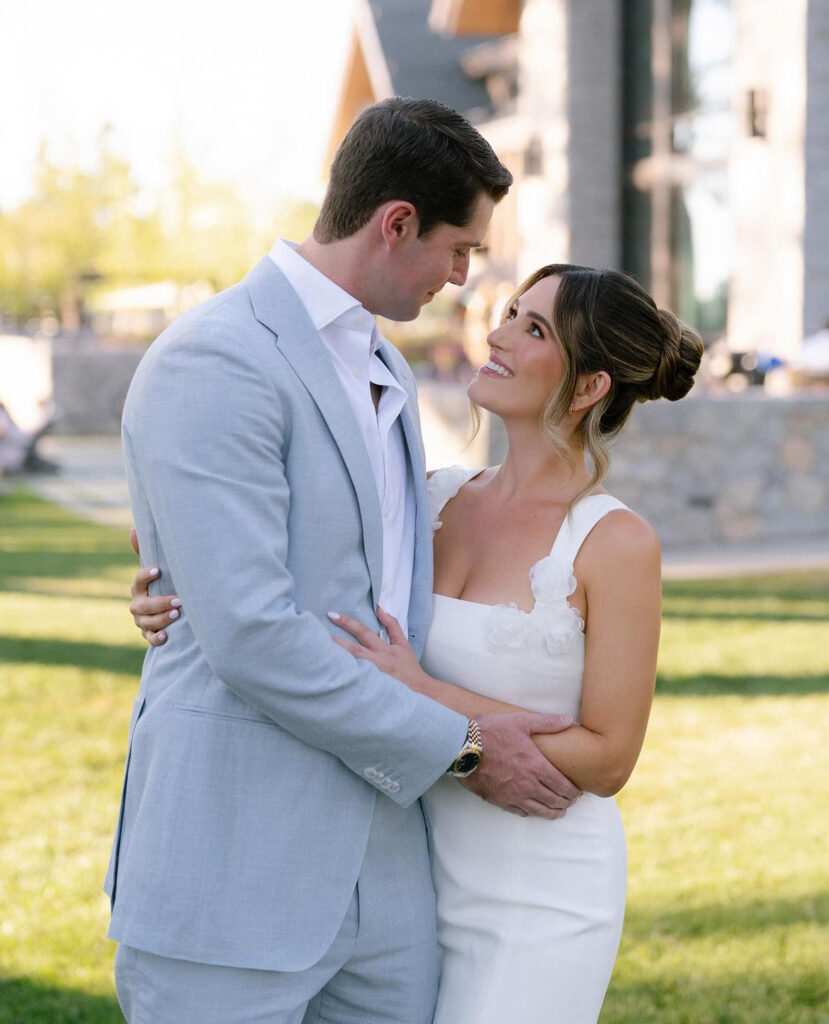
x,y
531,468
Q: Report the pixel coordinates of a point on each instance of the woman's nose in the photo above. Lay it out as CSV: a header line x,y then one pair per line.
x,y
495,339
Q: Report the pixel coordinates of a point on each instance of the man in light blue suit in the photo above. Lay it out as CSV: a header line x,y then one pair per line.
x,y
270,861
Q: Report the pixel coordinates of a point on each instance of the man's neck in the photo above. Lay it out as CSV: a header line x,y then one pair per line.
x,y
339,261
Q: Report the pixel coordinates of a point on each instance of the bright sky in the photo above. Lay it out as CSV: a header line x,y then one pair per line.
x,y
247,87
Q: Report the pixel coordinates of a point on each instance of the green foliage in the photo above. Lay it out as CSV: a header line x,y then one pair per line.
x,y
725,815
87,230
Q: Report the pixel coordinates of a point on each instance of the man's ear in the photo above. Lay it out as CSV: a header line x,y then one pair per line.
x,y
591,388
398,222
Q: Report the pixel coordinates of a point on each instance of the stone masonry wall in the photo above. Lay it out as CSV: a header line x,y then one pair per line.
x,y
90,383
725,469
731,469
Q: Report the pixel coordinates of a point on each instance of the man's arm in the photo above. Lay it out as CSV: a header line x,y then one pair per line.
x,y
211,498
204,434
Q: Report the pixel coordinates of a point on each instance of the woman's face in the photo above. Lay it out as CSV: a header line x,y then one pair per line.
x,y
526,364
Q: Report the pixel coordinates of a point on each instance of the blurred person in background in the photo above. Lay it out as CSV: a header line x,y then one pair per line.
x,y
18,448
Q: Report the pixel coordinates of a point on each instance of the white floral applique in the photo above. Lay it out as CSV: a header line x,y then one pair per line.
x,y
442,486
553,624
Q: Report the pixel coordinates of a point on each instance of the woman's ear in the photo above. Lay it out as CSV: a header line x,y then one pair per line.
x,y
591,388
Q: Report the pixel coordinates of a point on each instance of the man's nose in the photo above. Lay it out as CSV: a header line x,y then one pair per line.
x,y
460,269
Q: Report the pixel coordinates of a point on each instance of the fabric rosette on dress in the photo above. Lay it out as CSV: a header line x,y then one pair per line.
x,y
552,624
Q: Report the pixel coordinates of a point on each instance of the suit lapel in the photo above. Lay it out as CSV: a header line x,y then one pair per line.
x,y
422,570
277,306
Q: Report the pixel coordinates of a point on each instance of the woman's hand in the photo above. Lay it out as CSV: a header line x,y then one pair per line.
x,y
151,614
395,658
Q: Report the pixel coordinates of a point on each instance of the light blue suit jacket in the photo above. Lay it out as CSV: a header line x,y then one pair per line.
x,y
258,746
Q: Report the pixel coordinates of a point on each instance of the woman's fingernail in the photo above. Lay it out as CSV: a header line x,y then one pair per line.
x,y
334,616
173,614
162,636
154,572
175,603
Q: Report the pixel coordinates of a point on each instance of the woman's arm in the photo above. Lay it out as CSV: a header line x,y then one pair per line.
x,y
619,567
151,614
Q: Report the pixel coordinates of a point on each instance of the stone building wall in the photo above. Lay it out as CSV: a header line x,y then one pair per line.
x,y
729,469
90,382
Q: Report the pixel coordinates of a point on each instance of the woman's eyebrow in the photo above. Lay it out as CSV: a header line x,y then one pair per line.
x,y
540,318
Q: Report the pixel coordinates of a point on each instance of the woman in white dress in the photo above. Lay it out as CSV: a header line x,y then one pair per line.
x,y
547,597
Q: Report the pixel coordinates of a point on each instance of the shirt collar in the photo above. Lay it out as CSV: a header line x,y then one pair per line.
x,y
325,302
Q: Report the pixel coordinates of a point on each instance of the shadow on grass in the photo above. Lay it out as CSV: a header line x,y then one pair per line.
x,y
801,584
788,597
742,614
781,997
643,991
713,684
12,585
110,657
27,1001
52,562
38,539
738,918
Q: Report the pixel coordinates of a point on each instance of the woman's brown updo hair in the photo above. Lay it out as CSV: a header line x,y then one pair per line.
x,y
604,320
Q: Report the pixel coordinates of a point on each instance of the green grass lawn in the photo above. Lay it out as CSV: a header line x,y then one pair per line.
x,y
726,814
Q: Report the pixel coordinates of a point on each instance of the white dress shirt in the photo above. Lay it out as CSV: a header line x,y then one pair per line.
x,y
351,338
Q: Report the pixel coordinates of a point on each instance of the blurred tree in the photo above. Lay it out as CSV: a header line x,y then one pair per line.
x,y
85,230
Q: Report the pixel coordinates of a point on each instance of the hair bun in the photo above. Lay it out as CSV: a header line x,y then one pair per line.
x,y
681,354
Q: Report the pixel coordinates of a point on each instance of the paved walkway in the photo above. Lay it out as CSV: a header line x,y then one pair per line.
x,y
91,480
91,483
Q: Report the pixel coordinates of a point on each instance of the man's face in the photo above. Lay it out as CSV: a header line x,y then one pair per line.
x,y
419,266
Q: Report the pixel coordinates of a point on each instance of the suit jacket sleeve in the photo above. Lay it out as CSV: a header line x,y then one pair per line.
x,y
204,441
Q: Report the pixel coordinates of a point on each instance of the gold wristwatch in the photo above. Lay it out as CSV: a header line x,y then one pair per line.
x,y
471,753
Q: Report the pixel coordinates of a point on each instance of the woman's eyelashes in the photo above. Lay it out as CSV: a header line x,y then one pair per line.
x,y
533,327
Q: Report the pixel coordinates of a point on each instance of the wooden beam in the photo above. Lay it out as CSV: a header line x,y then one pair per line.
x,y
475,17
356,93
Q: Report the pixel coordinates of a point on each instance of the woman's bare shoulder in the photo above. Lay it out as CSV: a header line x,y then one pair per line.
x,y
622,537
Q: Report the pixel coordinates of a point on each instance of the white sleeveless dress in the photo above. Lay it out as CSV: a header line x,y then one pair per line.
x,y
529,911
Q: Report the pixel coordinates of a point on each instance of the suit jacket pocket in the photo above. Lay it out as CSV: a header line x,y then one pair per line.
x,y
222,715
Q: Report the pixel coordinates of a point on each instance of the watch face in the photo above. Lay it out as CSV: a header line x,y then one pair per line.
x,y
467,762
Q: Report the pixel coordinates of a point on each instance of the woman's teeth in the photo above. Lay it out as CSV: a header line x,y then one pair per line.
x,y
498,369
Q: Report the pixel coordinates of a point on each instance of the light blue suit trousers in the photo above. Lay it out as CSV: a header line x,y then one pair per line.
x,y
380,969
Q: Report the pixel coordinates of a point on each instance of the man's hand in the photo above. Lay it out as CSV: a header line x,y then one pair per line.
x,y
513,773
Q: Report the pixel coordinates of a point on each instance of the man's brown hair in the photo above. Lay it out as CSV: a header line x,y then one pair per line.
x,y
420,151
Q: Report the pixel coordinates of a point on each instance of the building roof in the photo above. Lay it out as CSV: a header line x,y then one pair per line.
x,y
425,64
394,51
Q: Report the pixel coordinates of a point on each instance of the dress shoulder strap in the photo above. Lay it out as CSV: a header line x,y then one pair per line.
x,y
583,517
443,485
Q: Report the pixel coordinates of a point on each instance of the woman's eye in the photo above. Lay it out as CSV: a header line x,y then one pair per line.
x,y
536,330
510,314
